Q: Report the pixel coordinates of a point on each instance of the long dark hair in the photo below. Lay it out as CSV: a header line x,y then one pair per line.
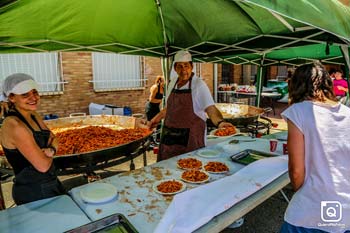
x,y
311,82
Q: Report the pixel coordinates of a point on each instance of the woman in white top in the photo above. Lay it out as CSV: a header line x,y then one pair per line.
x,y
319,154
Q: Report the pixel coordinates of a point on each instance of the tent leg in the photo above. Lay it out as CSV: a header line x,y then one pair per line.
x,y
284,195
261,70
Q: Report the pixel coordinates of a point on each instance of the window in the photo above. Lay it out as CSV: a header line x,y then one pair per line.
x,y
249,73
281,73
227,74
43,67
116,72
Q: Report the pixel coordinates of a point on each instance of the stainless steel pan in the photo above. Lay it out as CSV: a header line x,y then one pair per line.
x,y
241,114
87,162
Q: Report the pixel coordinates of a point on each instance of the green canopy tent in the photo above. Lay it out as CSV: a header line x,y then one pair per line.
x,y
213,30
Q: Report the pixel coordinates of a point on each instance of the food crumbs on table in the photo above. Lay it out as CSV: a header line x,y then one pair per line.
x,y
168,173
157,173
98,211
138,200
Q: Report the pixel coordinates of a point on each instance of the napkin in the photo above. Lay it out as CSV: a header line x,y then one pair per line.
x,y
191,209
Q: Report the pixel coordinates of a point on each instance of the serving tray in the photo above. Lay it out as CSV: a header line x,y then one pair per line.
x,y
113,223
248,156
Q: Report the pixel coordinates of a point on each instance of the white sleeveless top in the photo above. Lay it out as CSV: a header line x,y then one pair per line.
x,y
323,202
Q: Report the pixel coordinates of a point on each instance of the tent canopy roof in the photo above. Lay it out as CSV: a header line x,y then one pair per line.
x,y
217,31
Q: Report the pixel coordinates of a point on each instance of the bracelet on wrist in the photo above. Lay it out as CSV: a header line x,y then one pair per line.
x,y
54,149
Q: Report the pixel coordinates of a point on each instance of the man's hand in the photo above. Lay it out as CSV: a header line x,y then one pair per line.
x,y
225,124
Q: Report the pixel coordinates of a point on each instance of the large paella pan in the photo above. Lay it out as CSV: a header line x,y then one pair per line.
x,y
240,114
89,160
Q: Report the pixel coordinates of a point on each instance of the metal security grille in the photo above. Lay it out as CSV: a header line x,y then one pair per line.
x,y
43,67
115,72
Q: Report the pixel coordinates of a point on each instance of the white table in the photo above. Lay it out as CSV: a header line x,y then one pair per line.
x,y
144,208
57,214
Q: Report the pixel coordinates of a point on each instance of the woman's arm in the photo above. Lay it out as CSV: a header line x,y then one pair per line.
x,y
296,153
153,91
52,144
19,137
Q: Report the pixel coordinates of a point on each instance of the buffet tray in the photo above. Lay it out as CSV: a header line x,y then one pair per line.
x,y
248,156
113,223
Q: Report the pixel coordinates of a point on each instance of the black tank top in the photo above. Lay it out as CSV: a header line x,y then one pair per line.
x,y
14,156
159,95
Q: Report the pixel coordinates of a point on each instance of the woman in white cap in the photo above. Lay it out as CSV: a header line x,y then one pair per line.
x,y
27,142
187,105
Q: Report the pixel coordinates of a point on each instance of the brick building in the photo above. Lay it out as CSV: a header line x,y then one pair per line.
x,y
78,92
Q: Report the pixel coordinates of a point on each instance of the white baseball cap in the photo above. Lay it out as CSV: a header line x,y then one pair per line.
x,y
183,56
18,84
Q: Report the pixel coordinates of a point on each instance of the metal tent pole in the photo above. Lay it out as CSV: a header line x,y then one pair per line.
x,y
259,81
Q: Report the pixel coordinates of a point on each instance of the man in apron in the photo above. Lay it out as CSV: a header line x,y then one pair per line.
x,y
189,102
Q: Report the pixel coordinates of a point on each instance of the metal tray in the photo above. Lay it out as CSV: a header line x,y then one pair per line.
x,y
113,223
248,156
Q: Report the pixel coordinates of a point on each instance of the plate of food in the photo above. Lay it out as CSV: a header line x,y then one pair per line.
x,y
224,132
216,167
169,186
195,176
98,193
189,163
208,153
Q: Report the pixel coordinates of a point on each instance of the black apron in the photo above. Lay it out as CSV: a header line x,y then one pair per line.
x,y
30,184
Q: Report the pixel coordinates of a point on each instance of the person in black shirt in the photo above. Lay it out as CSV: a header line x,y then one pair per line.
x,y
28,144
155,98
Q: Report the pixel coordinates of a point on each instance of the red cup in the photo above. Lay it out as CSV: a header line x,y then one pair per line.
x,y
285,148
155,150
273,145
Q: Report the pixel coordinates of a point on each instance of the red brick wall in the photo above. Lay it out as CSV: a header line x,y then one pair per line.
x,y
237,74
207,75
78,92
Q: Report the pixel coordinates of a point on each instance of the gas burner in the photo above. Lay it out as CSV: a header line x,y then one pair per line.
x,y
256,128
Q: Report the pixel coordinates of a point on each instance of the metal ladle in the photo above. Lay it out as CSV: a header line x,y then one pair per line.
x,y
236,141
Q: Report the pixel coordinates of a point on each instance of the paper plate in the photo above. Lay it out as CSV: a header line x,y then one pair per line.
x,y
208,153
98,193
217,172
155,185
212,133
195,182
188,161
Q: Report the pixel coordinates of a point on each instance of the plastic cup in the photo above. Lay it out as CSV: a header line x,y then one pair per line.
x,y
273,145
156,150
285,148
